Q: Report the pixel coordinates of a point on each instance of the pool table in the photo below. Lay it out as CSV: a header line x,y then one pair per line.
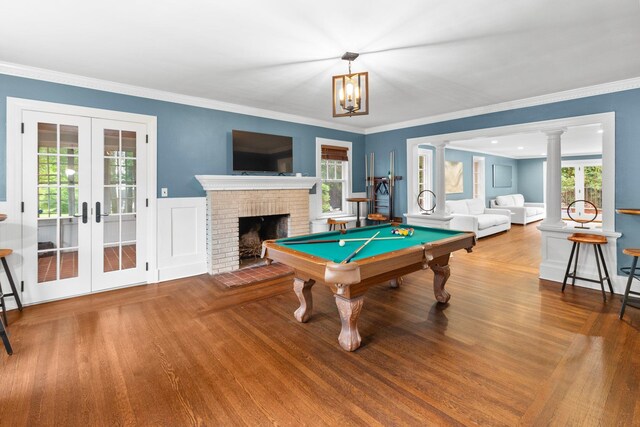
x,y
379,261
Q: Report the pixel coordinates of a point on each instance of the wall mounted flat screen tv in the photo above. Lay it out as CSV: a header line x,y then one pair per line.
x,y
260,152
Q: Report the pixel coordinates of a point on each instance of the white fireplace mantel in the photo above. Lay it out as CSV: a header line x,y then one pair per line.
x,y
253,182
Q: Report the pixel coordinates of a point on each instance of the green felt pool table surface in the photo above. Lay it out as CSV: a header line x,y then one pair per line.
x,y
336,253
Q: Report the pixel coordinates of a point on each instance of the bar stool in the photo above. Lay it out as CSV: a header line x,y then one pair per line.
x,y
333,224
5,339
588,239
4,253
635,253
377,218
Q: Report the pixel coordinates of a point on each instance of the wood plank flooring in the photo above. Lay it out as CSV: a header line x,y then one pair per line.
x,y
509,349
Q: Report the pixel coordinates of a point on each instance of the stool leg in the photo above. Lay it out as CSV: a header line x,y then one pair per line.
x,y
575,265
595,252
632,273
5,339
4,310
606,272
566,274
14,291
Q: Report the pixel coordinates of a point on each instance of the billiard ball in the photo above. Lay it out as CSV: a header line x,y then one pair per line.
x,y
341,243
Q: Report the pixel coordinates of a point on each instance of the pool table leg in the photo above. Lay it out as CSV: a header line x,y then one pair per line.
x,y
441,273
349,310
395,283
303,292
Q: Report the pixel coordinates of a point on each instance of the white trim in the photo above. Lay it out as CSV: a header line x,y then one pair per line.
x,y
482,180
19,70
15,108
607,120
254,182
160,95
182,237
583,92
318,197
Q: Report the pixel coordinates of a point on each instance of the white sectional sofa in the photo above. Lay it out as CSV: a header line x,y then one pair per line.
x,y
472,215
522,213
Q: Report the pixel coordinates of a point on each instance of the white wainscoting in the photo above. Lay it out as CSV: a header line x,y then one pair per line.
x,y
556,250
182,237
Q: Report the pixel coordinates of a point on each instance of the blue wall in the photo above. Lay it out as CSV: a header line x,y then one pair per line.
x,y
531,179
191,140
626,106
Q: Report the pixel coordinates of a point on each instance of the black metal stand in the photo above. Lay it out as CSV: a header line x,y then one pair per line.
x,y
14,292
5,339
599,256
626,299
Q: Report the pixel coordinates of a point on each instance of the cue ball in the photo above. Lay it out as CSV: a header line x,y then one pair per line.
x,y
341,243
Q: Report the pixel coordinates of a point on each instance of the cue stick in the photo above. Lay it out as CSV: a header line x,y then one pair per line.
x,y
350,257
303,242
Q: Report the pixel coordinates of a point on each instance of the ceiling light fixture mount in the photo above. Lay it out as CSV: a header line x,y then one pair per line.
x,y
350,91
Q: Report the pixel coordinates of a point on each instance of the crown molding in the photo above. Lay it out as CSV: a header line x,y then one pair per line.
x,y
35,73
19,70
584,92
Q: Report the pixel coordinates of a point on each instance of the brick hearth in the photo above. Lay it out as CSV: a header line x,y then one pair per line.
x,y
224,207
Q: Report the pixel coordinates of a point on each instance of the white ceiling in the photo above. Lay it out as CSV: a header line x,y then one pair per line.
x,y
424,57
576,141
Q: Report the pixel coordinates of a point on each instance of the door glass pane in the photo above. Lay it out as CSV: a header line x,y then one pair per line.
x,y
129,255
128,143
111,200
47,138
593,188
47,169
111,258
568,186
47,266
128,200
111,170
47,202
69,170
68,139
68,263
69,201
69,232
111,142
128,172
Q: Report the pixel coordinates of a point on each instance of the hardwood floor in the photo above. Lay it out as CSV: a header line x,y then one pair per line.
x,y
508,349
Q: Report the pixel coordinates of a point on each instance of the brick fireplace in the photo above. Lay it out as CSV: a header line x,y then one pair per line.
x,y
230,197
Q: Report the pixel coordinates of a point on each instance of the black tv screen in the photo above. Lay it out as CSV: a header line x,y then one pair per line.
x,y
260,152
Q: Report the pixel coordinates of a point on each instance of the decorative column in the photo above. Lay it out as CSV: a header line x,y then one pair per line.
x,y
439,187
554,182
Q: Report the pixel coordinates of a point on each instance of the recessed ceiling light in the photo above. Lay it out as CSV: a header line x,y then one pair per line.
x,y
495,141
600,130
520,148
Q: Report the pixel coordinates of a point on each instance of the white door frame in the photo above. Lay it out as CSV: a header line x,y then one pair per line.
x,y
11,232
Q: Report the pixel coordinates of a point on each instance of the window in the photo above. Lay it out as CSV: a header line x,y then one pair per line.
x,y
335,176
424,180
478,177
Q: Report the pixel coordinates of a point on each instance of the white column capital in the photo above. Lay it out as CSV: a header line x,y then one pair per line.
x,y
555,133
440,144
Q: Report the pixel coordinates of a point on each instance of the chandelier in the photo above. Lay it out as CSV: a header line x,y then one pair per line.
x,y
350,91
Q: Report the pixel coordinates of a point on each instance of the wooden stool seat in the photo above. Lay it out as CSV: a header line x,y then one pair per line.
x,y
336,224
5,252
635,253
631,252
377,217
589,239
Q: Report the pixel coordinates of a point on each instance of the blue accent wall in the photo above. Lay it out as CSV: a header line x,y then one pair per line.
x,y
191,140
531,179
626,106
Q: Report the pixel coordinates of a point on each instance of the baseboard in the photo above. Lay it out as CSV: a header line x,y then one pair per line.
x,y
554,271
181,271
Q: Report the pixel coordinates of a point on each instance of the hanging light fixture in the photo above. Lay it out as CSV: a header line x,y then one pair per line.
x,y
350,91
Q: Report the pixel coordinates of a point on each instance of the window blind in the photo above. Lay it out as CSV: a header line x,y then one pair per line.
x,y
331,152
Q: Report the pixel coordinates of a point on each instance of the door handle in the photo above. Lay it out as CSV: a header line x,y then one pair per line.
x,y
99,214
84,214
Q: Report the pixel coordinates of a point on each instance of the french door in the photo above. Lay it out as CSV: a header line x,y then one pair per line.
x,y
582,180
84,190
